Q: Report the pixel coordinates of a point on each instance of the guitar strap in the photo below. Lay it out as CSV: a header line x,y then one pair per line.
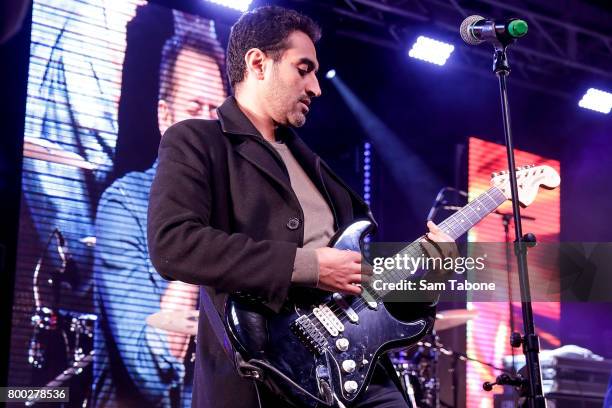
x,y
217,325
243,368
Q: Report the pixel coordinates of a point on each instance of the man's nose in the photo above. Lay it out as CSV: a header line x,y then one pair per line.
x,y
313,89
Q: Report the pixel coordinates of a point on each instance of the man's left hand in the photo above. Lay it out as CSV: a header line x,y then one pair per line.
x,y
441,245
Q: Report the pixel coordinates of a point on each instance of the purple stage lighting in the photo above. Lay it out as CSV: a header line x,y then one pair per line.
x,y
367,159
597,100
240,5
430,50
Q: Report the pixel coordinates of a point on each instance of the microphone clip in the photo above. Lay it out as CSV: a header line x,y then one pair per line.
x,y
514,380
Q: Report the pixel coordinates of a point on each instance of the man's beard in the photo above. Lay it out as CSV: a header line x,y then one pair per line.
x,y
296,119
289,113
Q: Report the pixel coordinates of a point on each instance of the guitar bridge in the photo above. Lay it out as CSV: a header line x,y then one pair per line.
x,y
309,334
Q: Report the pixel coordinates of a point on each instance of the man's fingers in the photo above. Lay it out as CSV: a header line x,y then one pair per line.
x,y
436,234
352,289
439,237
432,249
359,279
433,227
366,269
354,256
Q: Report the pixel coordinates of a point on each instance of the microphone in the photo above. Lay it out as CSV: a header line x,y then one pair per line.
x,y
440,200
62,249
60,238
476,29
437,202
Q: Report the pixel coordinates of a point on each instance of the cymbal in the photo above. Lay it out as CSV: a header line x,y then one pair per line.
x,y
184,321
46,150
448,319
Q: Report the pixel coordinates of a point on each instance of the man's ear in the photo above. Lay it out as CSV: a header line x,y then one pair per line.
x,y
255,60
164,116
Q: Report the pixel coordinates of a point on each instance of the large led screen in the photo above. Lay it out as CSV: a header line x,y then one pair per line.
x,y
106,78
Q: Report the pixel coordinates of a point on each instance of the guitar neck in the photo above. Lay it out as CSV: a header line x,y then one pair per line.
x,y
460,222
455,226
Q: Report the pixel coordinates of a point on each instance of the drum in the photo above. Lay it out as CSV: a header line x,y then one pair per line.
x,y
61,351
416,373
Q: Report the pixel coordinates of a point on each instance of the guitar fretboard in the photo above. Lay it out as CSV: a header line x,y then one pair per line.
x,y
460,222
455,226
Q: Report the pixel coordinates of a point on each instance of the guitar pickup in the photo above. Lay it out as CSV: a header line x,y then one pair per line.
x,y
369,298
346,308
328,319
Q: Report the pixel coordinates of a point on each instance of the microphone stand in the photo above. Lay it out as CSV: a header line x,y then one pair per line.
x,y
506,218
529,341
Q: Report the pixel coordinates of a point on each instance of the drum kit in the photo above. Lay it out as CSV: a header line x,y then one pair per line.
x,y
71,332
418,369
56,329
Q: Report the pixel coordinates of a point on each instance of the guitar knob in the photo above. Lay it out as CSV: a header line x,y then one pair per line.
x,y
342,344
348,366
351,386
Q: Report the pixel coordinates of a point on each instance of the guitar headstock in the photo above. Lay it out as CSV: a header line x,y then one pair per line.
x,y
529,179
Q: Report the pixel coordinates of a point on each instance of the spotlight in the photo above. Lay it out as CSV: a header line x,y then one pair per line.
x,y
330,74
240,5
597,100
430,50
367,159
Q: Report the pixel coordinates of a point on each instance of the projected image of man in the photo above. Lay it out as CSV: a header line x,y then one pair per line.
x,y
136,364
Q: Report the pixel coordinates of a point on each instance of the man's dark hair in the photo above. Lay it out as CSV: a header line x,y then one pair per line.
x,y
173,46
266,28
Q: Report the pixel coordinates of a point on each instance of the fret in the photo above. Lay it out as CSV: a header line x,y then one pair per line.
x,y
451,225
462,218
474,217
494,204
454,223
501,197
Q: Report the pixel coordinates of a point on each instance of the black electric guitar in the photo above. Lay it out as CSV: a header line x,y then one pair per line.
x,y
320,350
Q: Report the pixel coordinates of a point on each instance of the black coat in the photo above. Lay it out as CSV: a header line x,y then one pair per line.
x,y
222,214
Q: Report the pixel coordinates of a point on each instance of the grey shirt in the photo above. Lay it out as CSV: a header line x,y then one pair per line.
x,y
318,219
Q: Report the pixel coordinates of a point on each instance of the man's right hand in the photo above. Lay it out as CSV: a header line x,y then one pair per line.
x,y
340,271
179,296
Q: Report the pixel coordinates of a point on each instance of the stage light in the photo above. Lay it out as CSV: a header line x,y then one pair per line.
x,y
240,5
367,159
330,74
430,50
597,100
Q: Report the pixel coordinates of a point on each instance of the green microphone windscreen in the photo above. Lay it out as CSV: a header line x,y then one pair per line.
x,y
517,28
